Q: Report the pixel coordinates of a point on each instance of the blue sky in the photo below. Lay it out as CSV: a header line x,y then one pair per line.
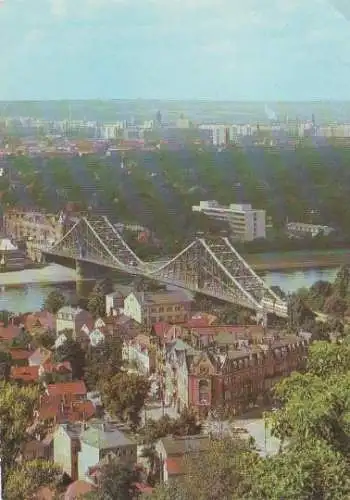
x,y
181,49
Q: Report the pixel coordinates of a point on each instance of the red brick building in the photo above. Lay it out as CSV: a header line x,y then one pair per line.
x,y
243,374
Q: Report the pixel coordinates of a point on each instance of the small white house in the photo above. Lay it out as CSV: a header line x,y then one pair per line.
x,y
73,318
137,351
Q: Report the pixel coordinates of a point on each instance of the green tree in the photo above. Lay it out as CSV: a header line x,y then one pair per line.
x,y
220,473
124,395
72,351
298,312
54,301
5,364
24,480
17,405
186,425
326,359
335,304
342,282
96,302
313,471
103,362
116,482
23,340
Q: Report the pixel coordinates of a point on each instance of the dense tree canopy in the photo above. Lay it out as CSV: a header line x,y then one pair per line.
x,y
124,396
115,482
24,480
103,362
158,188
17,405
72,351
54,301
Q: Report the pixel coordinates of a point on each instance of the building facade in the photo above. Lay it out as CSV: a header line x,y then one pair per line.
x,y
73,318
150,308
33,226
244,222
233,376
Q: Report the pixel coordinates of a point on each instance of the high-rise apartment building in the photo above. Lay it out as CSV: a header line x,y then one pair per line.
x,y
245,223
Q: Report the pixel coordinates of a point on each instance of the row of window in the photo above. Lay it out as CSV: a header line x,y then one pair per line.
x,y
171,319
161,309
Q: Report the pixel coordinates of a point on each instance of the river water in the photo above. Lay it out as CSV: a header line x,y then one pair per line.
x,y
26,290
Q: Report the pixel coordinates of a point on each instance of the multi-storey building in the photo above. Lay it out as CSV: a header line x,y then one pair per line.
x,y
149,308
245,223
34,226
302,229
233,376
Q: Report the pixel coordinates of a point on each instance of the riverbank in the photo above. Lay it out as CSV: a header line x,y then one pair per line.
x,y
52,273
293,261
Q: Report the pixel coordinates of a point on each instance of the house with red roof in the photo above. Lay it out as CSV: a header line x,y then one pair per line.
x,y
20,357
57,410
39,322
24,374
9,333
76,390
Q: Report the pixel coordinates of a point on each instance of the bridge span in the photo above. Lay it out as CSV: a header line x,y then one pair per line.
x,y
211,267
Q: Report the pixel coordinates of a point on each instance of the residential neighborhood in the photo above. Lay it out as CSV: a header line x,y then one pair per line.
x,y
185,363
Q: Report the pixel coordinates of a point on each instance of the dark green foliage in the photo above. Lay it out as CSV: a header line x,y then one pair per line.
x,y
103,362
96,302
116,482
71,351
124,396
186,425
54,301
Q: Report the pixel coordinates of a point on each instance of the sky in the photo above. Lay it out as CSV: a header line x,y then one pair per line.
x,y
263,50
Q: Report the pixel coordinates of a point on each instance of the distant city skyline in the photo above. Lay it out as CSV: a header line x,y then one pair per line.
x,y
220,50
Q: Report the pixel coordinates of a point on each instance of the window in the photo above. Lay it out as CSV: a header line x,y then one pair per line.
x,y
169,309
203,390
161,309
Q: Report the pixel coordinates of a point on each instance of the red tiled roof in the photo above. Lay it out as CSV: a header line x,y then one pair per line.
x,y
20,354
25,373
77,489
174,465
77,388
8,333
161,328
75,411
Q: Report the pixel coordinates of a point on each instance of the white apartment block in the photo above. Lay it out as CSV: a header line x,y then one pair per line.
x,y
300,228
246,223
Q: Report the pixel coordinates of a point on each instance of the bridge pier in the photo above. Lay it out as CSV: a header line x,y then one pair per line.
x,y
86,276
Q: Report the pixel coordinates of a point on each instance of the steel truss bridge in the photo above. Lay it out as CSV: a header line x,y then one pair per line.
x,y
208,266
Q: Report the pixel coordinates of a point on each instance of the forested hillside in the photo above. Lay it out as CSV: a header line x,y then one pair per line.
x,y
158,189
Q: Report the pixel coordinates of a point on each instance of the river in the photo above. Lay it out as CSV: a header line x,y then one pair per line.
x,y
26,290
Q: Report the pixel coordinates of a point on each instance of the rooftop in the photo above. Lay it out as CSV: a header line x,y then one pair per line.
x,y
76,388
178,446
165,297
25,373
104,436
